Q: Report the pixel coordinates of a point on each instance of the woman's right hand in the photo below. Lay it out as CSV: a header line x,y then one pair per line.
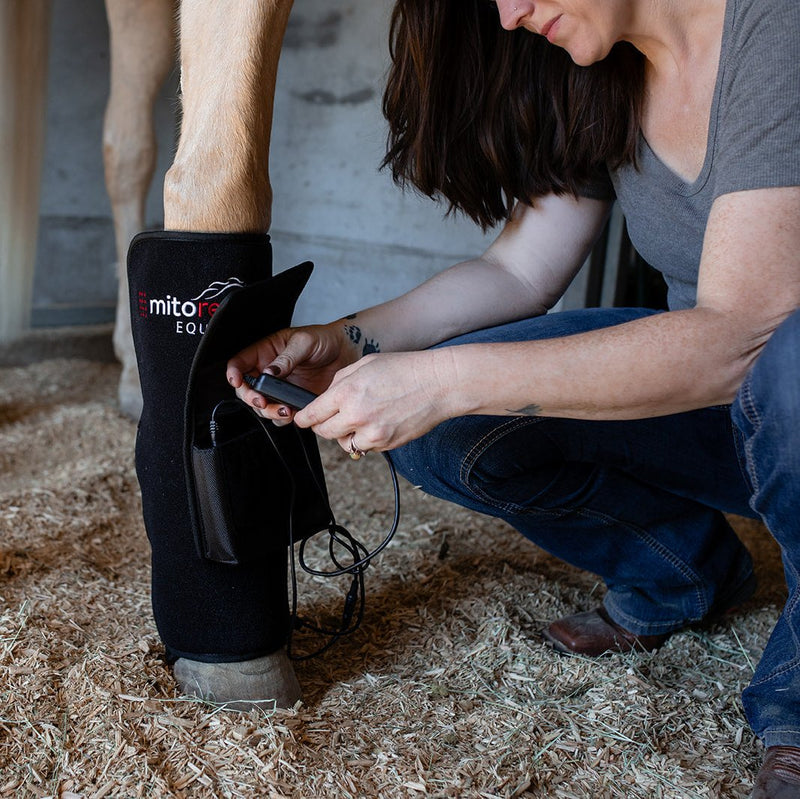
x,y
311,355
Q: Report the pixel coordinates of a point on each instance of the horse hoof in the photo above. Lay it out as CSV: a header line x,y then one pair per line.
x,y
267,682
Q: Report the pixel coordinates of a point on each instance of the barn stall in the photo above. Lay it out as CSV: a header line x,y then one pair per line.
x,y
446,689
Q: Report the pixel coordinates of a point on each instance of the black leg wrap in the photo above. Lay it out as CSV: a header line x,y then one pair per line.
x,y
216,496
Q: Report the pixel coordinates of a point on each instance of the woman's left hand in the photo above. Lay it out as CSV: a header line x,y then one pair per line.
x,y
382,401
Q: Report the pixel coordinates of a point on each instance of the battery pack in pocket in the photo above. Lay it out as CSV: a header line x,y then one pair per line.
x,y
257,489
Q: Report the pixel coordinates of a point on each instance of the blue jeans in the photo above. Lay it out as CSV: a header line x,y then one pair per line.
x,y
641,503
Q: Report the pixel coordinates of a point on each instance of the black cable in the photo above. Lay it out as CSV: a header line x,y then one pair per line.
x,y
355,600
368,556
212,424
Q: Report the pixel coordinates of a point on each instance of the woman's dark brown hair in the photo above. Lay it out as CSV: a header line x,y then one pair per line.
x,y
481,116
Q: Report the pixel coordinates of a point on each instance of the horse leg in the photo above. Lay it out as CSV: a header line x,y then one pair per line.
x,y
224,626
143,50
219,180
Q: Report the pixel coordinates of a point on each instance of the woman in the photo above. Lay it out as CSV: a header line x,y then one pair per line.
x,y
614,438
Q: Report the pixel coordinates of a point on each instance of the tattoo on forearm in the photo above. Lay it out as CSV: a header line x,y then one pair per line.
x,y
528,410
353,332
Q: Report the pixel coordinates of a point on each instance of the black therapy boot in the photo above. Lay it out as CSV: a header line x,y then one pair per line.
x,y
217,500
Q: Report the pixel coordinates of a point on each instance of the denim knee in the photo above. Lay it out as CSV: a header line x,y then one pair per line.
x,y
439,461
766,413
773,384
767,408
430,462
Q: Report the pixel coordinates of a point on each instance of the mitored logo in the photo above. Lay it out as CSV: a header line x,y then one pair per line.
x,y
190,315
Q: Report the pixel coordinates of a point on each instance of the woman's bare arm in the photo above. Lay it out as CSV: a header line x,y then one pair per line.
x,y
670,362
523,273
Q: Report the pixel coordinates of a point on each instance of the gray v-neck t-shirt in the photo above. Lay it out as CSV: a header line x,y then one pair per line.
x,y
753,142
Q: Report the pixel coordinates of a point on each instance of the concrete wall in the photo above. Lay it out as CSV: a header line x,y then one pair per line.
x,y
368,239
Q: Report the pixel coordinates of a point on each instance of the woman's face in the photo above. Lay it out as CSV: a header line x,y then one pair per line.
x,y
586,29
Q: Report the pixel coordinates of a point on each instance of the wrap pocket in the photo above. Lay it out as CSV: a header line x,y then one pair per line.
x,y
251,492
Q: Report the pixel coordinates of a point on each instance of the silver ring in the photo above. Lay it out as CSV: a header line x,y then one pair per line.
x,y
355,452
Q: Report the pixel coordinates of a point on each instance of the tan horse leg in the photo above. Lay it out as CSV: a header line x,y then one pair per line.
x,y
219,181
143,50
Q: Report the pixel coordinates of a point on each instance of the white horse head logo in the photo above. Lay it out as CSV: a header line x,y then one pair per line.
x,y
218,288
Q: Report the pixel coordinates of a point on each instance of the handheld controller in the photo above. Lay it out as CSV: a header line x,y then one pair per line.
x,y
278,390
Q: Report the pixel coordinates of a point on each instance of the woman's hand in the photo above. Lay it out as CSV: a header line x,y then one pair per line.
x,y
311,355
383,400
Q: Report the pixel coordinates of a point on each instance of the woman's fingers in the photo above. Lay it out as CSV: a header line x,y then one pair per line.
x,y
252,359
299,349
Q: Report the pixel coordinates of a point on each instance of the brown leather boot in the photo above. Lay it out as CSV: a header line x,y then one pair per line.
x,y
595,633
779,777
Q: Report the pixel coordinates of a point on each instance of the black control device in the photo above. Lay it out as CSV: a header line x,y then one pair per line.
x,y
277,390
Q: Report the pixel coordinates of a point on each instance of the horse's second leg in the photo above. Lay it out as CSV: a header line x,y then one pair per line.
x,y
143,50
224,625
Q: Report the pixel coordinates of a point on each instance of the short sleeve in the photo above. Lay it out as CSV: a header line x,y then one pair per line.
x,y
758,127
